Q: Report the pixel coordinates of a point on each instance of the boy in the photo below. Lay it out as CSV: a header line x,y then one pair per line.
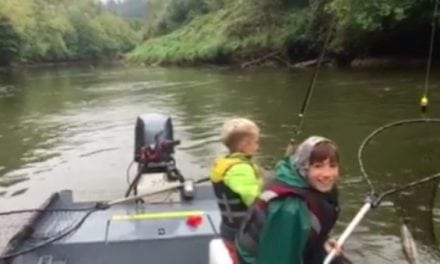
x,y
235,178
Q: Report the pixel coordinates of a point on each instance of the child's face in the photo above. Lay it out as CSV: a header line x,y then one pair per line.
x,y
323,175
250,144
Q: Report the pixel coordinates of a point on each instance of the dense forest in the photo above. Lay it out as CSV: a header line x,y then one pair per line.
x,y
61,30
228,31
247,32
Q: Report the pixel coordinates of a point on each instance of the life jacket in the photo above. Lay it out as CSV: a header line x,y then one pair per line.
x,y
232,208
323,208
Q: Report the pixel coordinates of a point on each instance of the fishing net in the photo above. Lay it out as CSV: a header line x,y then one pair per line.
x,y
10,226
26,231
407,152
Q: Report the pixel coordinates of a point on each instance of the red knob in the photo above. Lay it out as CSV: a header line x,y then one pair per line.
x,y
194,220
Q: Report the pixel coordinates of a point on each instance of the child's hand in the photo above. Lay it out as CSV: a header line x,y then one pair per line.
x,y
330,245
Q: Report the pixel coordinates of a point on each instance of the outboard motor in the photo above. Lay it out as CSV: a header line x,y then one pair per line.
x,y
154,145
150,128
153,151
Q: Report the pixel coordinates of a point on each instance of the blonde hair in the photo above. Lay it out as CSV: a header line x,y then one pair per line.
x,y
235,130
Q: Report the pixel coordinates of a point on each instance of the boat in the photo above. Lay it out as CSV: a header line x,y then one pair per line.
x,y
130,229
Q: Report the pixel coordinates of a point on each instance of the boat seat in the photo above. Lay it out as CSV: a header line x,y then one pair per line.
x,y
219,253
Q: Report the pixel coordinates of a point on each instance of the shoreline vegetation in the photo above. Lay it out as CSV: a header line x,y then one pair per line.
x,y
56,31
227,33
286,33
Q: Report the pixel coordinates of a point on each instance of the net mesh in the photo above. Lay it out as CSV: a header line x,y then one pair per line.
x,y
403,154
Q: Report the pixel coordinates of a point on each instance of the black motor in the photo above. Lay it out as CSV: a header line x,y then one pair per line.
x,y
153,151
154,144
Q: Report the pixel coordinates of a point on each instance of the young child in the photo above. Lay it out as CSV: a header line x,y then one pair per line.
x,y
291,219
235,178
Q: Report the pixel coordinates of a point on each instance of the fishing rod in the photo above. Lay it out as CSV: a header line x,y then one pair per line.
x,y
312,84
89,211
374,199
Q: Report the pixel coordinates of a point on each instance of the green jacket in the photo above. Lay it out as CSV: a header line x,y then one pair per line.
x,y
288,220
240,174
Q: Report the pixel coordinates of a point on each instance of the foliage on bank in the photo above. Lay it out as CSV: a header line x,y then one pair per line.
x,y
225,31
61,30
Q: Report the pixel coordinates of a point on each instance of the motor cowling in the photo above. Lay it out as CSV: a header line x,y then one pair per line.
x,y
153,151
154,142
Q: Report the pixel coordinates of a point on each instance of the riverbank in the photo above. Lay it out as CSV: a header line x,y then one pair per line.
x,y
277,62
91,64
285,34
262,62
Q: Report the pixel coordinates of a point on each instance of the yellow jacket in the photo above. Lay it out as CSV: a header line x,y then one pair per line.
x,y
240,174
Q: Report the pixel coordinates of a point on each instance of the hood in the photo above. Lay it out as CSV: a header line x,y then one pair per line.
x,y
287,173
301,158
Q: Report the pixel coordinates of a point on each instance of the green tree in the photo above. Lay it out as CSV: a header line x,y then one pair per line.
x,y
165,16
56,30
10,42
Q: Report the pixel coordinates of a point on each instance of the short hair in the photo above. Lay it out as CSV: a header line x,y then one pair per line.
x,y
323,151
235,130
312,150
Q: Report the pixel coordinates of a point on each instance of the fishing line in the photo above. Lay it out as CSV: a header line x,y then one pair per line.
x,y
424,100
431,49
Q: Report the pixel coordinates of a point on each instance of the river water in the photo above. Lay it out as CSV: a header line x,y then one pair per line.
x,y
73,128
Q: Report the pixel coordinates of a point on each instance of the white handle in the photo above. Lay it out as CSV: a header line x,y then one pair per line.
x,y
364,210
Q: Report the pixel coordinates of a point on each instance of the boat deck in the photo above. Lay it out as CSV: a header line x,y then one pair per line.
x,y
158,231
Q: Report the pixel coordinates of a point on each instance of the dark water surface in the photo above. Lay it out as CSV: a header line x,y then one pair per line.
x,y
73,128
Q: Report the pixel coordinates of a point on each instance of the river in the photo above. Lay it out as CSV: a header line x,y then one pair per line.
x,y
73,128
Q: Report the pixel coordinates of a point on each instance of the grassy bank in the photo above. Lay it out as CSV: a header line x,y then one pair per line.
x,y
228,35
254,32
